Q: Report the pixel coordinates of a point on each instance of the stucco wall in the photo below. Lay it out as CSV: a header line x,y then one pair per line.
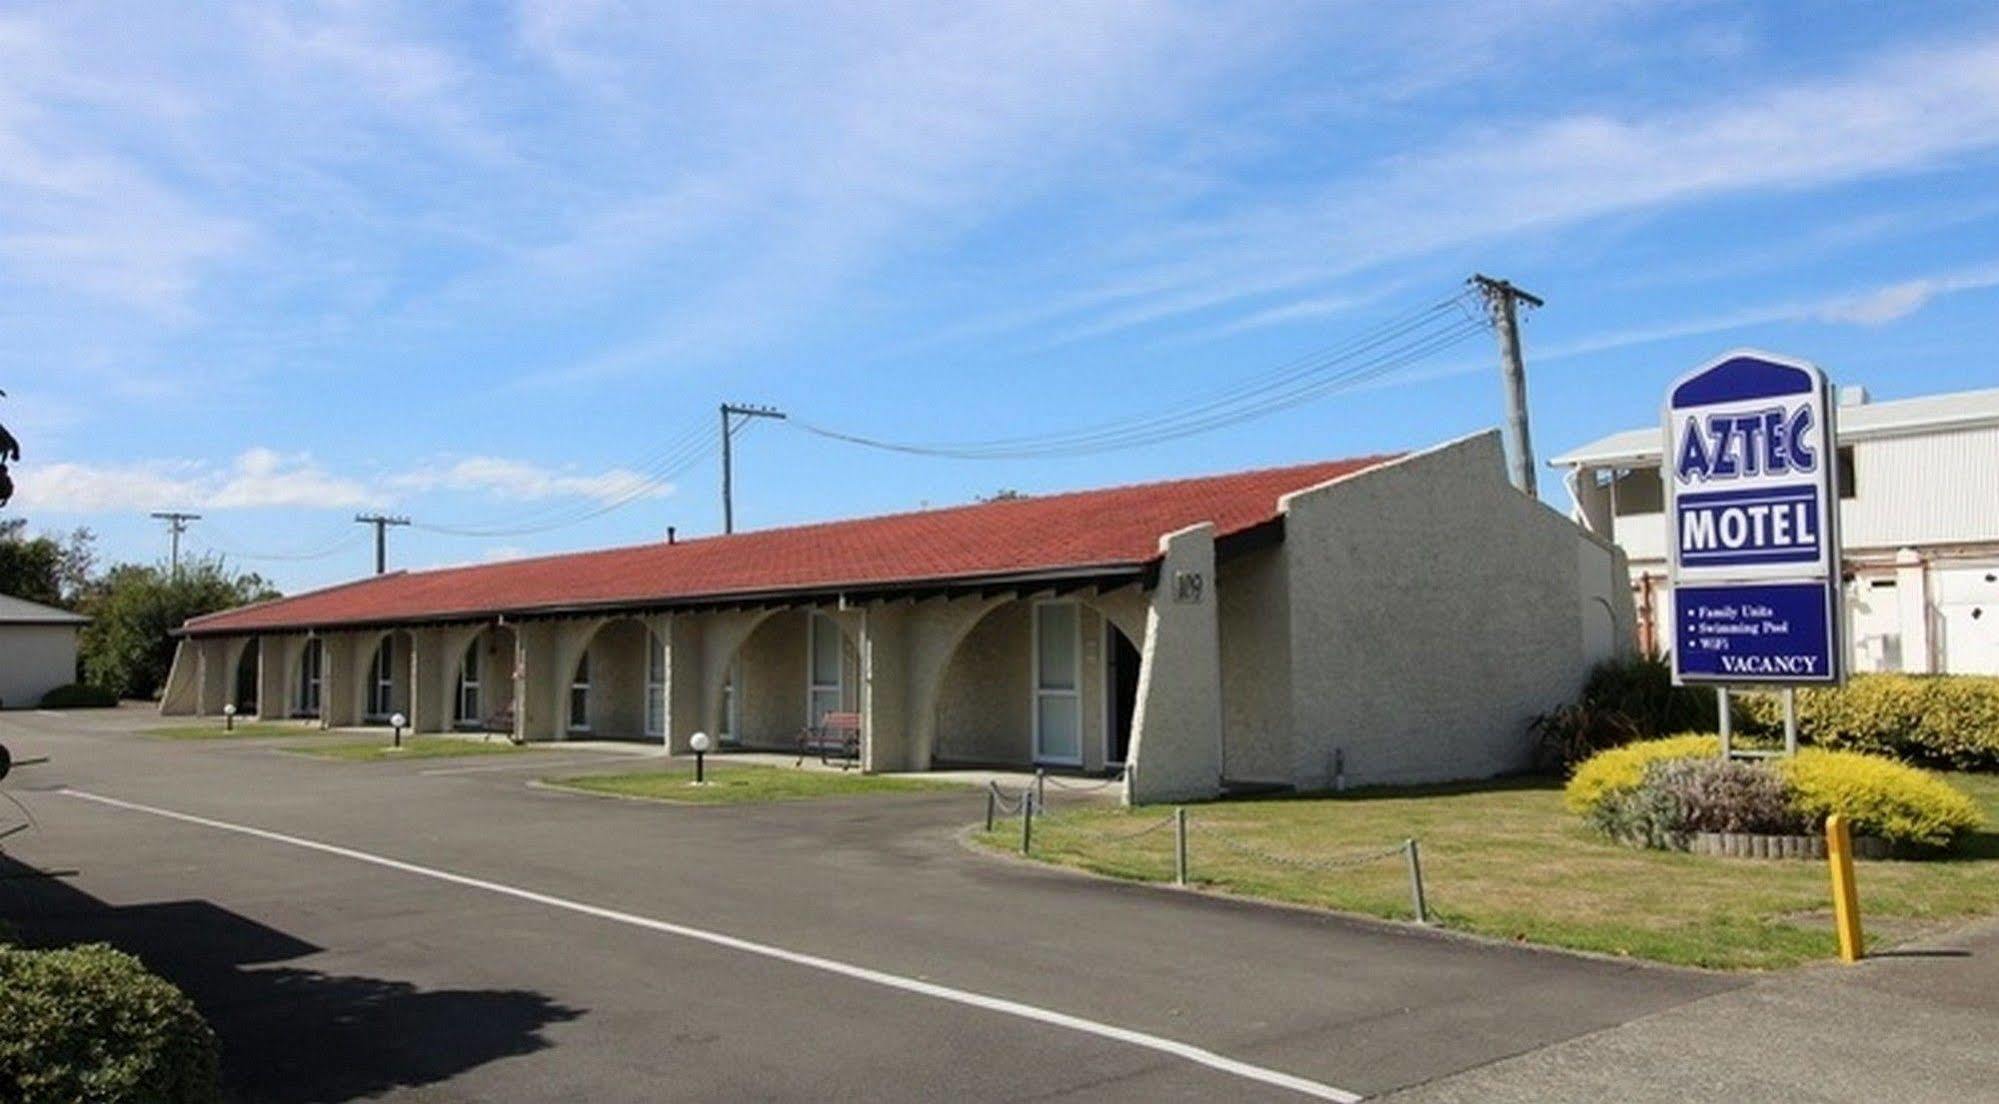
x,y
618,681
35,659
982,708
1434,611
770,697
1256,668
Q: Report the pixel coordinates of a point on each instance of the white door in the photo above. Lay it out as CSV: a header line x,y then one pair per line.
x,y
1058,697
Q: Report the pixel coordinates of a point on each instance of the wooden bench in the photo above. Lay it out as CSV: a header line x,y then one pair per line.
x,y
836,734
501,723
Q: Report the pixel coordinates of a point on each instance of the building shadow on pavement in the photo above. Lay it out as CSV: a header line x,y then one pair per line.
x,y
289,1035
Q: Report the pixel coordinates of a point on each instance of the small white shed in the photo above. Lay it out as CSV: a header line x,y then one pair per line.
x,y
37,650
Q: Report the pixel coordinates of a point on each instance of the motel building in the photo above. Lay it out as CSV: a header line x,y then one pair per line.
x,y
1384,619
1918,483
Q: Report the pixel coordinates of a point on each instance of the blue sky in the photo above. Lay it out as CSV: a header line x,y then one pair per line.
x,y
480,263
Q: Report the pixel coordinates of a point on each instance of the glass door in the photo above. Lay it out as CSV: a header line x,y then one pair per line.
x,y
1058,698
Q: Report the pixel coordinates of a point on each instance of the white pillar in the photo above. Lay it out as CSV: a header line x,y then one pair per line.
x,y
1176,738
1912,594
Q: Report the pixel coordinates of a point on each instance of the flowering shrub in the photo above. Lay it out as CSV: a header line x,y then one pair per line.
x,y
1656,792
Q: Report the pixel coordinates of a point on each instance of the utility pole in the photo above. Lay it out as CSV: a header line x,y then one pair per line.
x,y
381,522
176,525
1502,301
730,412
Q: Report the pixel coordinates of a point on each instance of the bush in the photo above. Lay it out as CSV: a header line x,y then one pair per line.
x,y
1881,797
1725,795
1625,699
90,1023
1932,720
1621,770
78,696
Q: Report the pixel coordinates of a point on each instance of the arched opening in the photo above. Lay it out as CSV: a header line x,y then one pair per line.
x,y
244,693
308,682
610,691
482,696
386,681
796,666
1048,682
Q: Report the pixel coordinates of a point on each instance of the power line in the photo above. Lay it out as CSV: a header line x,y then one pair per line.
x,y
335,541
670,464
1387,347
747,415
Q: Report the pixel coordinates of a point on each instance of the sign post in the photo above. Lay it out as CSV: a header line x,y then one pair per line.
x,y
1751,497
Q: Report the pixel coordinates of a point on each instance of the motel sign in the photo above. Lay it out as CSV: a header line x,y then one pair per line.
x,y
1750,467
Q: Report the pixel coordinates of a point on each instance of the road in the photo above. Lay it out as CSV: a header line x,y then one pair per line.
x,y
416,931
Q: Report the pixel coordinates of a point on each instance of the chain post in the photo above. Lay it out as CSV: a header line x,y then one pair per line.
x,y
1416,882
1026,825
1180,845
992,802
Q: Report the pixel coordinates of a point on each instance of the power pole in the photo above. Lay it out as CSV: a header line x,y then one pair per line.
x,y
1502,301
730,412
381,522
176,525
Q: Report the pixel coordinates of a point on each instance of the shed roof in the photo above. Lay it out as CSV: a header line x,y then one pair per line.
x,y
1103,531
20,611
1857,422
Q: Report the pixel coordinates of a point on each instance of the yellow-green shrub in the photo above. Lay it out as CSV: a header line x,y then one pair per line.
x,y
1880,796
1936,720
1620,770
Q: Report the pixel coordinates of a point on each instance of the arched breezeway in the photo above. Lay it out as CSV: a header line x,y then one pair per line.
x,y
778,673
1039,681
614,686
385,678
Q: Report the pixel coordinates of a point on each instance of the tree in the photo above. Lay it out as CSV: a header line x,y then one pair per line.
x,y
128,647
44,569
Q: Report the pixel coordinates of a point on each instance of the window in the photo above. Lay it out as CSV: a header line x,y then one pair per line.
x,y
1843,476
579,695
468,685
1058,699
655,685
824,688
1637,491
308,679
382,679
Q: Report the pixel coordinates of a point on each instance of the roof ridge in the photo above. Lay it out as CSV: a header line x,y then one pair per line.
x,y
1369,461
348,584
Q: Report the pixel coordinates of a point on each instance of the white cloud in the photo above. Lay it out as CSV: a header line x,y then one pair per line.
x,y
258,477
1908,111
523,481
1874,307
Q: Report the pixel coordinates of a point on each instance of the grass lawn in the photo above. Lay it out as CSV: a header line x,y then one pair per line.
x,y
735,783
244,730
1504,859
414,747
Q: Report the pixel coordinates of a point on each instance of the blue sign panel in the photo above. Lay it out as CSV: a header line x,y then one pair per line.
x,y
1779,525
1754,633
1754,538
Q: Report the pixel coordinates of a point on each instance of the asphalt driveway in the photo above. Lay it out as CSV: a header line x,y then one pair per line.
x,y
417,931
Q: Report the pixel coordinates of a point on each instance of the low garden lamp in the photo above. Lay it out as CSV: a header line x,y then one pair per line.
x,y
699,742
229,717
397,722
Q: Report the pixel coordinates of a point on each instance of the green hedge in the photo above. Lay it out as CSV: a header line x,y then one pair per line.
x,y
89,1023
1932,720
76,695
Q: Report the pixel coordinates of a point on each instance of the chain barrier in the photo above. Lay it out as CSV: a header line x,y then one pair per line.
x,y
1338,862
1094,787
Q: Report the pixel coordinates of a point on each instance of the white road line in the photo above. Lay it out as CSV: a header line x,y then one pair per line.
x,y
1186,1051
533,764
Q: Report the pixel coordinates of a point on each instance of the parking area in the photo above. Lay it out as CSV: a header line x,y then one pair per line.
x,y
442,930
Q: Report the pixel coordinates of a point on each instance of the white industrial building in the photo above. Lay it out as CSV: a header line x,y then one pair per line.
x,y
1377,620
1919,522
37,650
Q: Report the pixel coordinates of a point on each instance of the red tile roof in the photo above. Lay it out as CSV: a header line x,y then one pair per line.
x,y
1111,529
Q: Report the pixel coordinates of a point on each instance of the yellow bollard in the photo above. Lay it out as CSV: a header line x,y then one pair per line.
x,y
1845,895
